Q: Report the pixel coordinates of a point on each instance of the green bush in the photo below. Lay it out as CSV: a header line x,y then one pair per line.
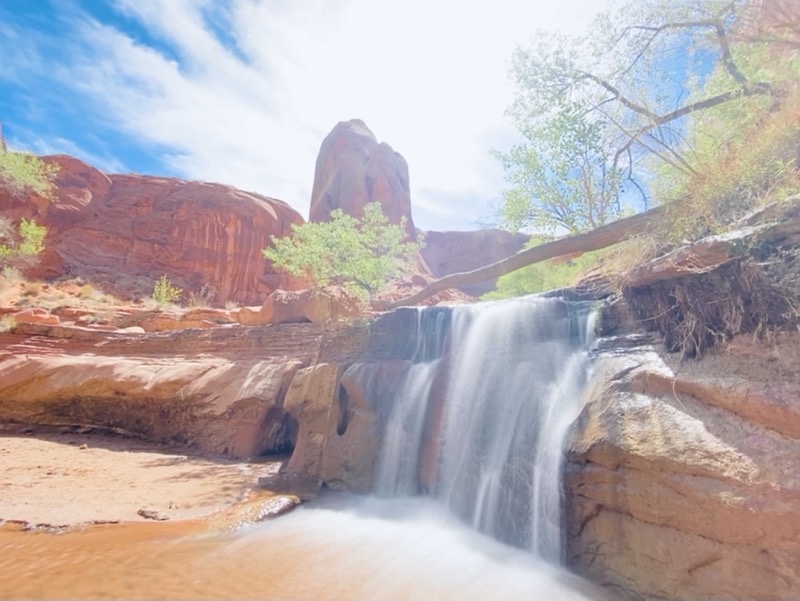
x,y
359,254
164,292
22,172
27,242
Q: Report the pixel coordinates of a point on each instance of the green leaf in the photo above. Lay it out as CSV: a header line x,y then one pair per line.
x,y
359,254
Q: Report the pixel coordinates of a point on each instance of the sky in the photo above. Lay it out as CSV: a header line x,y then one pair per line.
x,y
243,92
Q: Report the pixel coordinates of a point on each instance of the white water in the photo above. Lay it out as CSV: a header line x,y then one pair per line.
x,y
486,440
369,548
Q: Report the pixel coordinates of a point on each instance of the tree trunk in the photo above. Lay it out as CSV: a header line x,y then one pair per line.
x,y
596,239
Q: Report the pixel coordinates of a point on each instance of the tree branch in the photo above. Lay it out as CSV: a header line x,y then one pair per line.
x,y
601,237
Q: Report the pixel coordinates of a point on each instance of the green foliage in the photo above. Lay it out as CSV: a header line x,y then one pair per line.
x,y
743,153
28,241
359,254
22,172
602,115
559,176
164,292
544,276
32,236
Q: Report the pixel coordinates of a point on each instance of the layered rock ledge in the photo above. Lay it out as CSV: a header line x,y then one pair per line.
x,y
683,480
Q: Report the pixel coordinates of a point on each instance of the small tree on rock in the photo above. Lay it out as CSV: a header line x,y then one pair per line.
x,y
359,254
17,248
22,172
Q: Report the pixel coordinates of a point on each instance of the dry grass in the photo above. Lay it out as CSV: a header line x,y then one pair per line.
x,y
87,292
18,293
7,323
32,288
758,164
202,298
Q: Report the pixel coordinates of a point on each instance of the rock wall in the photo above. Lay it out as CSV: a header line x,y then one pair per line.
x,y
227,389
683,479
125,231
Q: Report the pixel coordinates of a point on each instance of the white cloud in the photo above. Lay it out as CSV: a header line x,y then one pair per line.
x,y
50,145
427,77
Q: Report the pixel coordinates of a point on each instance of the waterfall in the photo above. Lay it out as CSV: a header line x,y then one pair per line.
x,y
480,418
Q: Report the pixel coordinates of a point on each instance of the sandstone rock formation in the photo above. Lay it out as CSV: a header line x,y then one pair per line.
x,y
683,480
353,169
215,389
125,231
221,387
296,306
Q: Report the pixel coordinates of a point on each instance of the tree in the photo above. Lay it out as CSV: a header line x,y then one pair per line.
x,y
560,175
19,247
359,254
22,172
594,110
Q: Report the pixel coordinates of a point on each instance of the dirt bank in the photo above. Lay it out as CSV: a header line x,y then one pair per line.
x,y
60,479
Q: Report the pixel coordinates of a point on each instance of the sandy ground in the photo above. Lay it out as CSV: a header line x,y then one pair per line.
x,y
63,479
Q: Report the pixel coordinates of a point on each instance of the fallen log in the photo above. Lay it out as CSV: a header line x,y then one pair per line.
x,y
596,239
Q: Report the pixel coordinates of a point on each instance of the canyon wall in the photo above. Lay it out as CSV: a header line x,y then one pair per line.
x,y
122,232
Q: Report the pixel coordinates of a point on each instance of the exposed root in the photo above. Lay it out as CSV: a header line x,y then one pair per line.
x,y
759,294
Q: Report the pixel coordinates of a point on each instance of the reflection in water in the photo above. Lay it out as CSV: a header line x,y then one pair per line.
x,y
341,547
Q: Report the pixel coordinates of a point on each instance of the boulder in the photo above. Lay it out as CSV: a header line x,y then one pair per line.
x,y
353,170
676,487
316,305
124,231
311,401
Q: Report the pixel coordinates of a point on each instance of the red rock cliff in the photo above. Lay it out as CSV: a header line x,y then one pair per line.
x,y
125,231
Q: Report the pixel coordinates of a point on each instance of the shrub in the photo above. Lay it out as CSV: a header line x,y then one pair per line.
x,y
32,289
86,292
19,247
359,254
22,172
12,275
164,292
201,298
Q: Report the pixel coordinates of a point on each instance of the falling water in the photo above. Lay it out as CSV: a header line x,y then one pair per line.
x,y
480,419
474,430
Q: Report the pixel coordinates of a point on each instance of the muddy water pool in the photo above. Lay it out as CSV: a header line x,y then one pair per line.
x,y
338,547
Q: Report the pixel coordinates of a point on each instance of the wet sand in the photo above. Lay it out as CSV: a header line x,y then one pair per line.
x,y
62,479
339,547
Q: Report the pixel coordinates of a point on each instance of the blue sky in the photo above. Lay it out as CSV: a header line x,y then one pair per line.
x,y
242,92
